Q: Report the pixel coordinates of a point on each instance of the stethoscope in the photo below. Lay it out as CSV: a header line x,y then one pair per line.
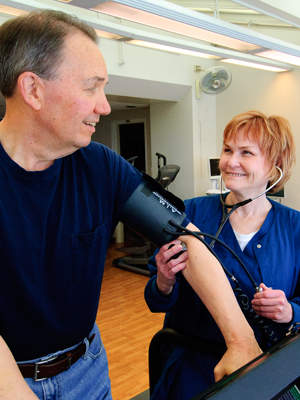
x,y
233,207
243,299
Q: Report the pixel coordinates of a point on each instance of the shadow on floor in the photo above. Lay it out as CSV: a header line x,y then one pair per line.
x,y
142,396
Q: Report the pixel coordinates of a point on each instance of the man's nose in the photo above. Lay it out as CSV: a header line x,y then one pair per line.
x,y
102,106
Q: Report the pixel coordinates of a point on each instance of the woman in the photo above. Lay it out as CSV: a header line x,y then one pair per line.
x,y
263,233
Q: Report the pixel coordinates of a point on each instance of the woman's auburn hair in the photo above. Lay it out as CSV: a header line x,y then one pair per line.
x,y
273,136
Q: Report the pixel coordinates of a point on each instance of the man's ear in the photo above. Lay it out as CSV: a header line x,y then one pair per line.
x,y
31,89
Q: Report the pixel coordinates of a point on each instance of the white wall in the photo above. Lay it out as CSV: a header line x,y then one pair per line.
x,y
188,130
186,133
270,93
184,128
172,135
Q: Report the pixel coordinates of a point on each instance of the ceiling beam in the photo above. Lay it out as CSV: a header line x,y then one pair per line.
x,y
284,10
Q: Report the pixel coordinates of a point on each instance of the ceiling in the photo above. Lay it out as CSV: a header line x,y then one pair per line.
x,y
235,13
251,14
276,13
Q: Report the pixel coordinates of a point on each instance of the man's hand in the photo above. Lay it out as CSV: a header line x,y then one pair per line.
x,y
167,268
272,304
237,355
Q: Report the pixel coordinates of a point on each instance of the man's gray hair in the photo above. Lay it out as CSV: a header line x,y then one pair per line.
x,y
35,43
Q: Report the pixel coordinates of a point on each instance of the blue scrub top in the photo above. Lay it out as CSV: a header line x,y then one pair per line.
x,y
272,256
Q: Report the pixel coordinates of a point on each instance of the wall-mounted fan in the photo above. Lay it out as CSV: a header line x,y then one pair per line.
x,y
214,80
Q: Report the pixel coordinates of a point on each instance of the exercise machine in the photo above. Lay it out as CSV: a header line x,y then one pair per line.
x,y
275,375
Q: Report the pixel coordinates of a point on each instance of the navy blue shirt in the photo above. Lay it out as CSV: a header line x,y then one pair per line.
x,y
55,228
272,256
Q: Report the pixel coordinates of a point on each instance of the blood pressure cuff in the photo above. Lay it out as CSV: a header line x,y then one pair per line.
x,y
149,210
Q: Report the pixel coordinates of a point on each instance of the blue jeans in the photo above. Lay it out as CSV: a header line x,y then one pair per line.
x,y
87,379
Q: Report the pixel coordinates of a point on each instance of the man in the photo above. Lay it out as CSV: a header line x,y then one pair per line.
x,y
61,200
12,384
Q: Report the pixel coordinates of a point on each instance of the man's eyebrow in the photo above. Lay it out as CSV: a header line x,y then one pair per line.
x,y
94,79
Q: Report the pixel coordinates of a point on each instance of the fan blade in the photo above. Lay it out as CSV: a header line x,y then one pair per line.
x,y
205,81
222,75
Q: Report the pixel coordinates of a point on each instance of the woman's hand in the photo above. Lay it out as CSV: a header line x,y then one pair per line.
x,y
167,268
272,304
238,354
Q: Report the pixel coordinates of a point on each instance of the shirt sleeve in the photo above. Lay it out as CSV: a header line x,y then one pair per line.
x,y
155,301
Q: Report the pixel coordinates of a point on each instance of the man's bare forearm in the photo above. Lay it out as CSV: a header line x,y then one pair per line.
x,y
12,383
206,276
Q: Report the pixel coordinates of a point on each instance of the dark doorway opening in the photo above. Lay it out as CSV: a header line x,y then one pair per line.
x,y
132,143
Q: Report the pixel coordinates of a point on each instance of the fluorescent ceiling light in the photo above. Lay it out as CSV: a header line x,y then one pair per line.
x,y
169,25
171,49
177,19
253,65
122,32
223,10
108,35
11,11
175,45
276,55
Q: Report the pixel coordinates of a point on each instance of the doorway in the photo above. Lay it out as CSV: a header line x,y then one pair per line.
x,y
132,143
130,138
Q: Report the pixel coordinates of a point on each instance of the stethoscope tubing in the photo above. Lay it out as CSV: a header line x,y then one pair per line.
x,y
237,205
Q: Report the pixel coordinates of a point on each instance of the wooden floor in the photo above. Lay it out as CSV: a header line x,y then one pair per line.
x,y
126,326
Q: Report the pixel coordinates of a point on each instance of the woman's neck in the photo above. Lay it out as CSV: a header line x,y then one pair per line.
x,y
250,217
